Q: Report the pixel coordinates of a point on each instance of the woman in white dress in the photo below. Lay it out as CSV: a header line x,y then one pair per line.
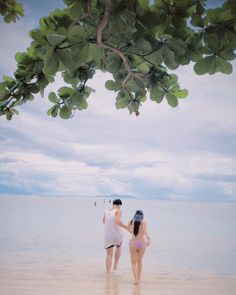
x,y
113,234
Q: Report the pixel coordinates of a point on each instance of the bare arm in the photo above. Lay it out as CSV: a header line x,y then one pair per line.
x,y
103,220
129,227
144,224
118,219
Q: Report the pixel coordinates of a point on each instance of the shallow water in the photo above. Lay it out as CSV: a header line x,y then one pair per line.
x,y
57,234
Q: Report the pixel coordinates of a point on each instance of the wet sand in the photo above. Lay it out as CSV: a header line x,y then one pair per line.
x,y
70,282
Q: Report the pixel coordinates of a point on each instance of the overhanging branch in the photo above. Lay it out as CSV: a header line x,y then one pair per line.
x,y
100,30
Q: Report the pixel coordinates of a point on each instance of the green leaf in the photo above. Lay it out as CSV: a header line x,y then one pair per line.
x,y
76,10
200,9
205,65
64,56
143,98
155,58
177,45
38,66
29,97
95,52
80,55
82,104
224,66
36,34
23,57
181,93
141,46
227,54
226,15
172,100
143,68
9,18
79,101
172,79
4,95
53,111
143,4
168,57
122,99
134,107
55,39
42,83
77,34
19,9
112,85
197,21
157,94
111,62
51,63
65,112
65,92
9,82
212,41
122,103
52,97
87,91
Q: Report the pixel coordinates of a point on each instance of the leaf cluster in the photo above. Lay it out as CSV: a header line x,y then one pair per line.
x,y
138,43
11,10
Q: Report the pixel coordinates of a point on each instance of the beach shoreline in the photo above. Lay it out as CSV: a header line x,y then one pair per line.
x,y
71,281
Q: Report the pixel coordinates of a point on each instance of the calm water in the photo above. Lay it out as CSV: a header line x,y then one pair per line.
x,y
38,232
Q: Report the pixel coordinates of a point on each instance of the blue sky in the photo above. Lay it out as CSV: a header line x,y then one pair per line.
x,y
187,153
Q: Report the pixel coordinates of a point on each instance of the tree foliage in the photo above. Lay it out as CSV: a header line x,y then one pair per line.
x,y
11,10
137,42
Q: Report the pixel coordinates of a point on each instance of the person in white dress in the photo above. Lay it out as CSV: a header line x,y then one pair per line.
x,y
113,235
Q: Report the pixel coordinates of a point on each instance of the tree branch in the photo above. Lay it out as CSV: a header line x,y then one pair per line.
x,y
100,43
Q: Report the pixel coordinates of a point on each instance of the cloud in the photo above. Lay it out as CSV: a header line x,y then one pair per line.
x,y
163,152
144,171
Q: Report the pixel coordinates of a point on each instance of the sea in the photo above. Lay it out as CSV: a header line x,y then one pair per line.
x,y
53,234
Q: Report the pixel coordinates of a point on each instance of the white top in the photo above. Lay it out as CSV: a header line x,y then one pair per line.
x,y
113,234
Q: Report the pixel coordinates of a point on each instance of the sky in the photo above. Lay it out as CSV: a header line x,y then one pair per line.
x,y
185,153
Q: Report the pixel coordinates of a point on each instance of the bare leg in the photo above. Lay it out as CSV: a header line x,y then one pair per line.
x,y
139,262
109,260
117,257
133,258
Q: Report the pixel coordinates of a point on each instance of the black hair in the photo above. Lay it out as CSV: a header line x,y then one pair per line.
x,y
137,219
117,202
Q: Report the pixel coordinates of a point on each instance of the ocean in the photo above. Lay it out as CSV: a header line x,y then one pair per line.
x,y
59,235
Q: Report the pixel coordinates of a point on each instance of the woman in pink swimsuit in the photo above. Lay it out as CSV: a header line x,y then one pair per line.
x,y
138,243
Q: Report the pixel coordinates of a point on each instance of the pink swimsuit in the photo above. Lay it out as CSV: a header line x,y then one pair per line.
x,y
138,244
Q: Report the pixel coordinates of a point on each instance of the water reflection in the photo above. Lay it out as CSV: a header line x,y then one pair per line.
x,y
136,290
111,286
115,285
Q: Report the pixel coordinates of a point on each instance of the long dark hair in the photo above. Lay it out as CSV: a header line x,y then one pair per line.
x,y
137,219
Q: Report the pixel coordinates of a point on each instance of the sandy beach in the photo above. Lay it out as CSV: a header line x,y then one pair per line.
x,y
70,281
